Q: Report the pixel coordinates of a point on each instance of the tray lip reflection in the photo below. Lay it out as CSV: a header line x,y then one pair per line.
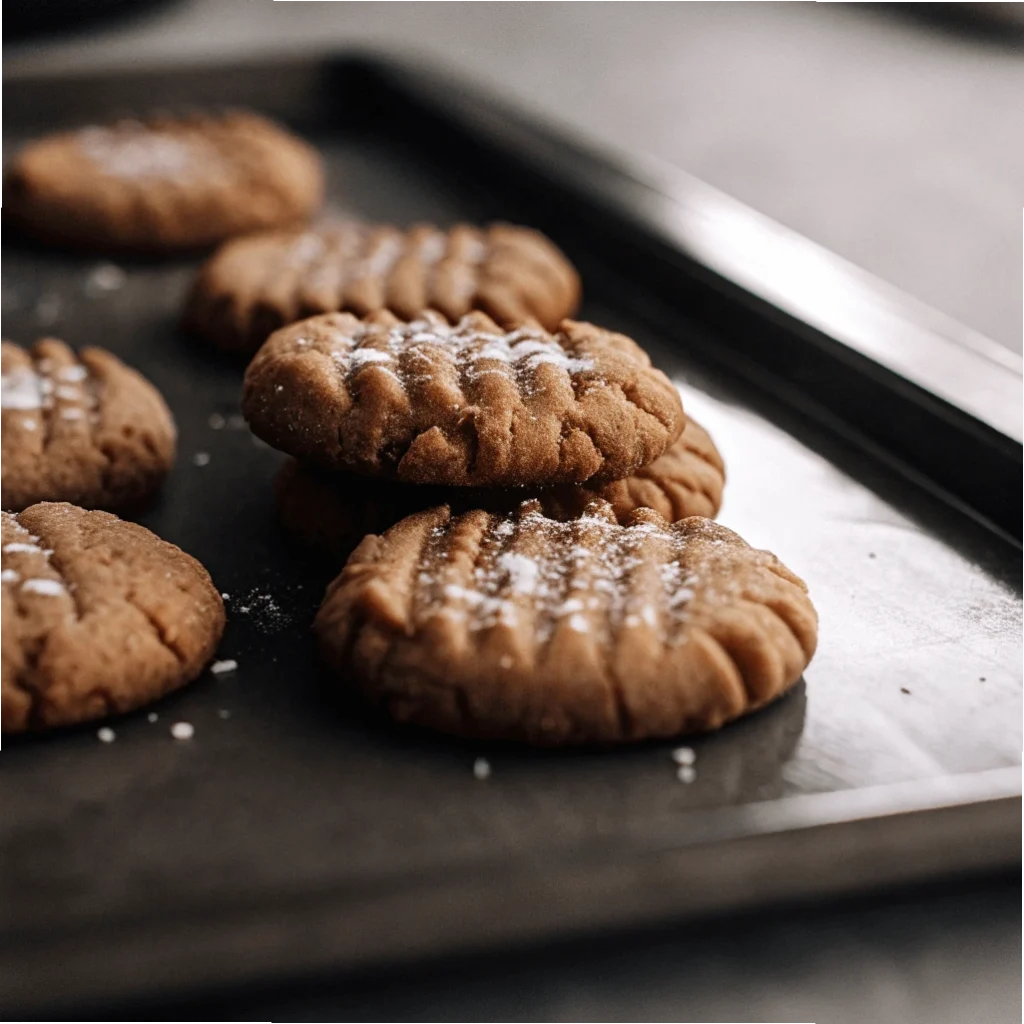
x,y
864,820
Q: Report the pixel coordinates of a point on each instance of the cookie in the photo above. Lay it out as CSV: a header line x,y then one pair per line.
x,y
100,617
520,627
252,286
468,405
81,428
332,512
166,183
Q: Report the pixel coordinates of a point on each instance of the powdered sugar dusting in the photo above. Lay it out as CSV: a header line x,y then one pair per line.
x,y
589,575
131,150
412,351
46,386
44,587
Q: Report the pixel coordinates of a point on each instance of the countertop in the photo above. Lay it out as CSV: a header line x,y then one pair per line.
x,y
892,140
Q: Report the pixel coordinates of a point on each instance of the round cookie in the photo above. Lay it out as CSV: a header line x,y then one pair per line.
x,y
100,617
81,428
520,627
332,512
166,183
468,405
252,286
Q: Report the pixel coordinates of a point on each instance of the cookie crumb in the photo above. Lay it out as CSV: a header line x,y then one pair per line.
x,y
686,773
684,755
481,769
152,716
201,459
216,421
223,713
903,689
183,730
103,278
106,735
225,596
220,667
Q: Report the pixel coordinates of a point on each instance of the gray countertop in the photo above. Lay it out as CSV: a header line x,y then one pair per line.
x,y
890,140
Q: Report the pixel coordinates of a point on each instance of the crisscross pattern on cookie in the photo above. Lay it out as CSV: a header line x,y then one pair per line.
x,y
100,616
253,286
523,627
462,405
82,428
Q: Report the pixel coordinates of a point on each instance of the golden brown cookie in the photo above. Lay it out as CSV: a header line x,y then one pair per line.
x,y
521,627
332,512
100,617
82,428
164,183
252,286
469,405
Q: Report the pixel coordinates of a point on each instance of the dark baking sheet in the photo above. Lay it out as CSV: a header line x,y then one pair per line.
x,y
293,835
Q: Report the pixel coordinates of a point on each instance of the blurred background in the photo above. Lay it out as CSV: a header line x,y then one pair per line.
x,y
889,133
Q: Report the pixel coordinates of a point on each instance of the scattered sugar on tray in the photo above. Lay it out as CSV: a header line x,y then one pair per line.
x,y
183,730
103,279
686,773
216,421
265,612
223,713
106,735
222,667
201,459
152,717
684,755
481,769
236,421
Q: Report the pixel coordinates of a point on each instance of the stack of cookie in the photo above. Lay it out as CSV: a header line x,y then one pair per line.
x,y
466,276
534,559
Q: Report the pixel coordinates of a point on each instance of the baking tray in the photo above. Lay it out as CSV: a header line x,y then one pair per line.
x,y
872,443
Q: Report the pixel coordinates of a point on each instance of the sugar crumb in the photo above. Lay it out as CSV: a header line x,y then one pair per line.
x,y
183,730
201,459
106,735
686,773
220,667
481,768
684,755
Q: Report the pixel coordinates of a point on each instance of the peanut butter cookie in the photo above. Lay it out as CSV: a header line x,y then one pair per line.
x,y
464,405
81,428
252,286
100,617
166,183
520,627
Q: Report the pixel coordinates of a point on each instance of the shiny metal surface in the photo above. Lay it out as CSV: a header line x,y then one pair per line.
x,y
297,836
